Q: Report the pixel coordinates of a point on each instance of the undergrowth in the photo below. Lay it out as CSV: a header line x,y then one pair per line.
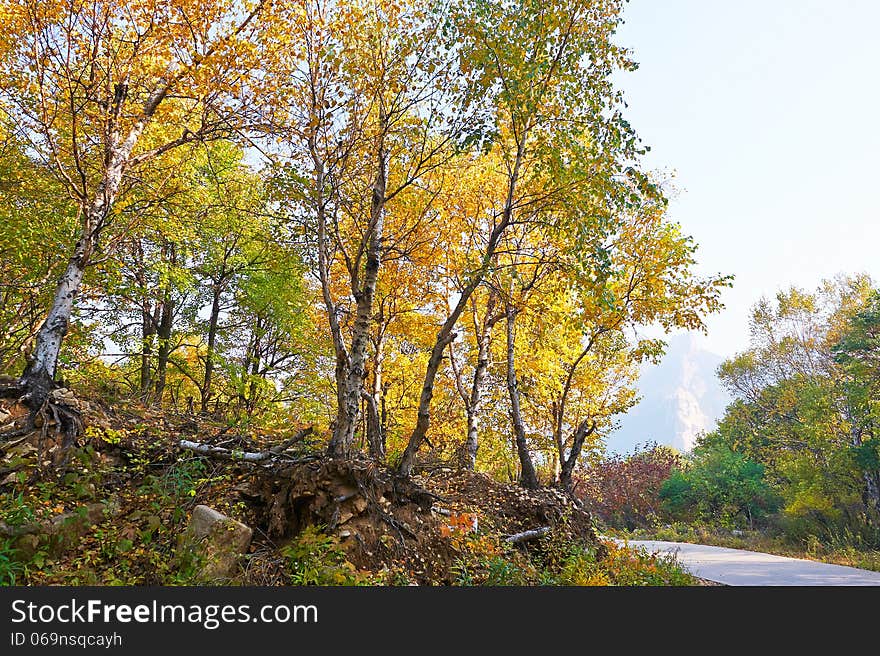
x,y
146,490
555,560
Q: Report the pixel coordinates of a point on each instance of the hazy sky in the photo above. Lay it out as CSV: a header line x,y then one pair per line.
x,y
766,111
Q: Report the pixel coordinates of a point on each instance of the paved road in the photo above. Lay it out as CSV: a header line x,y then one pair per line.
x,y
738,567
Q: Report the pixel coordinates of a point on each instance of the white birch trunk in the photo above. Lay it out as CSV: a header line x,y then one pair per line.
x,y
354,383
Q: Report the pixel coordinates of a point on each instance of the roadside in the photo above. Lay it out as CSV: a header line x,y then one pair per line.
x,y
814,550
739,567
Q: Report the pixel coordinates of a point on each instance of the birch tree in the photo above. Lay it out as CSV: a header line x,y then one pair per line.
x,y
373,105
545,71
100,89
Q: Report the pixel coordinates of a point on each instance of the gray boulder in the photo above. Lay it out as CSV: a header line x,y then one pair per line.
x,y
218,543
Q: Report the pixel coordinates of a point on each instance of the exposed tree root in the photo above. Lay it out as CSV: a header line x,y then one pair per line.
x,y
54,418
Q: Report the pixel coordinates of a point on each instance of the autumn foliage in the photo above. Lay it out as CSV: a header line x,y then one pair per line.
x,y
624,490
413,225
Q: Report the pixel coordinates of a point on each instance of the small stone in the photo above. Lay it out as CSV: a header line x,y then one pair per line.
x,y
219,540
26,546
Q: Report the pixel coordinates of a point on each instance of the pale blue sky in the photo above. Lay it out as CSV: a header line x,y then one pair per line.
x,y
767,113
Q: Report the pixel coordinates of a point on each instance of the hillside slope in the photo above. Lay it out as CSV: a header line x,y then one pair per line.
x,y
127,506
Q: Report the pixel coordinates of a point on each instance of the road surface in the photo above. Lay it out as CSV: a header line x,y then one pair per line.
x,y
738,567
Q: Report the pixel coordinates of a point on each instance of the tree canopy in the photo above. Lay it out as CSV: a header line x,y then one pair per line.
x,y
414,225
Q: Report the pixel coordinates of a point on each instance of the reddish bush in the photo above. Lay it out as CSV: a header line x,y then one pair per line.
x,y
624,490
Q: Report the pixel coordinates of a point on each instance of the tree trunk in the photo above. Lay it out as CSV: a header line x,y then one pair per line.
x,y
254,369
556,410
163,333
871,488
151,315
39,374
149,321
565,466
375,427
475,404
584,430
348,413
147,334
217,289
528,477
375,439
445,336
341,353
423,421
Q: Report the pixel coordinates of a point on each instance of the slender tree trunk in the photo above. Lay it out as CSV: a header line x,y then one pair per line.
x,y
340,374
472,441
214,319
163,333
446,335
375,429
384,416
349,412
254,370
151,313
475,404
583,431
472,398
375,439
246,364
565,466
423,420
558,439
528,478
149,321
147,334
39,374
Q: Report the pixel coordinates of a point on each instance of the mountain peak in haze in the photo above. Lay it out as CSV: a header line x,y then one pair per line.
x,y
681,398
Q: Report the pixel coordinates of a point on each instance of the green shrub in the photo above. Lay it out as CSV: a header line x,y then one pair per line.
x,y
10,567
720,486
317,558
14,510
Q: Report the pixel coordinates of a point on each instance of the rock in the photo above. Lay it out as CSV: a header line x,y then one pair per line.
x,y
360,505
67,529
26,546
245,491
61,532
154,522
218,541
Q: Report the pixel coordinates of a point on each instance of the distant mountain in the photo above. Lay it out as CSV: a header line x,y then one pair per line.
x,y
681,398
